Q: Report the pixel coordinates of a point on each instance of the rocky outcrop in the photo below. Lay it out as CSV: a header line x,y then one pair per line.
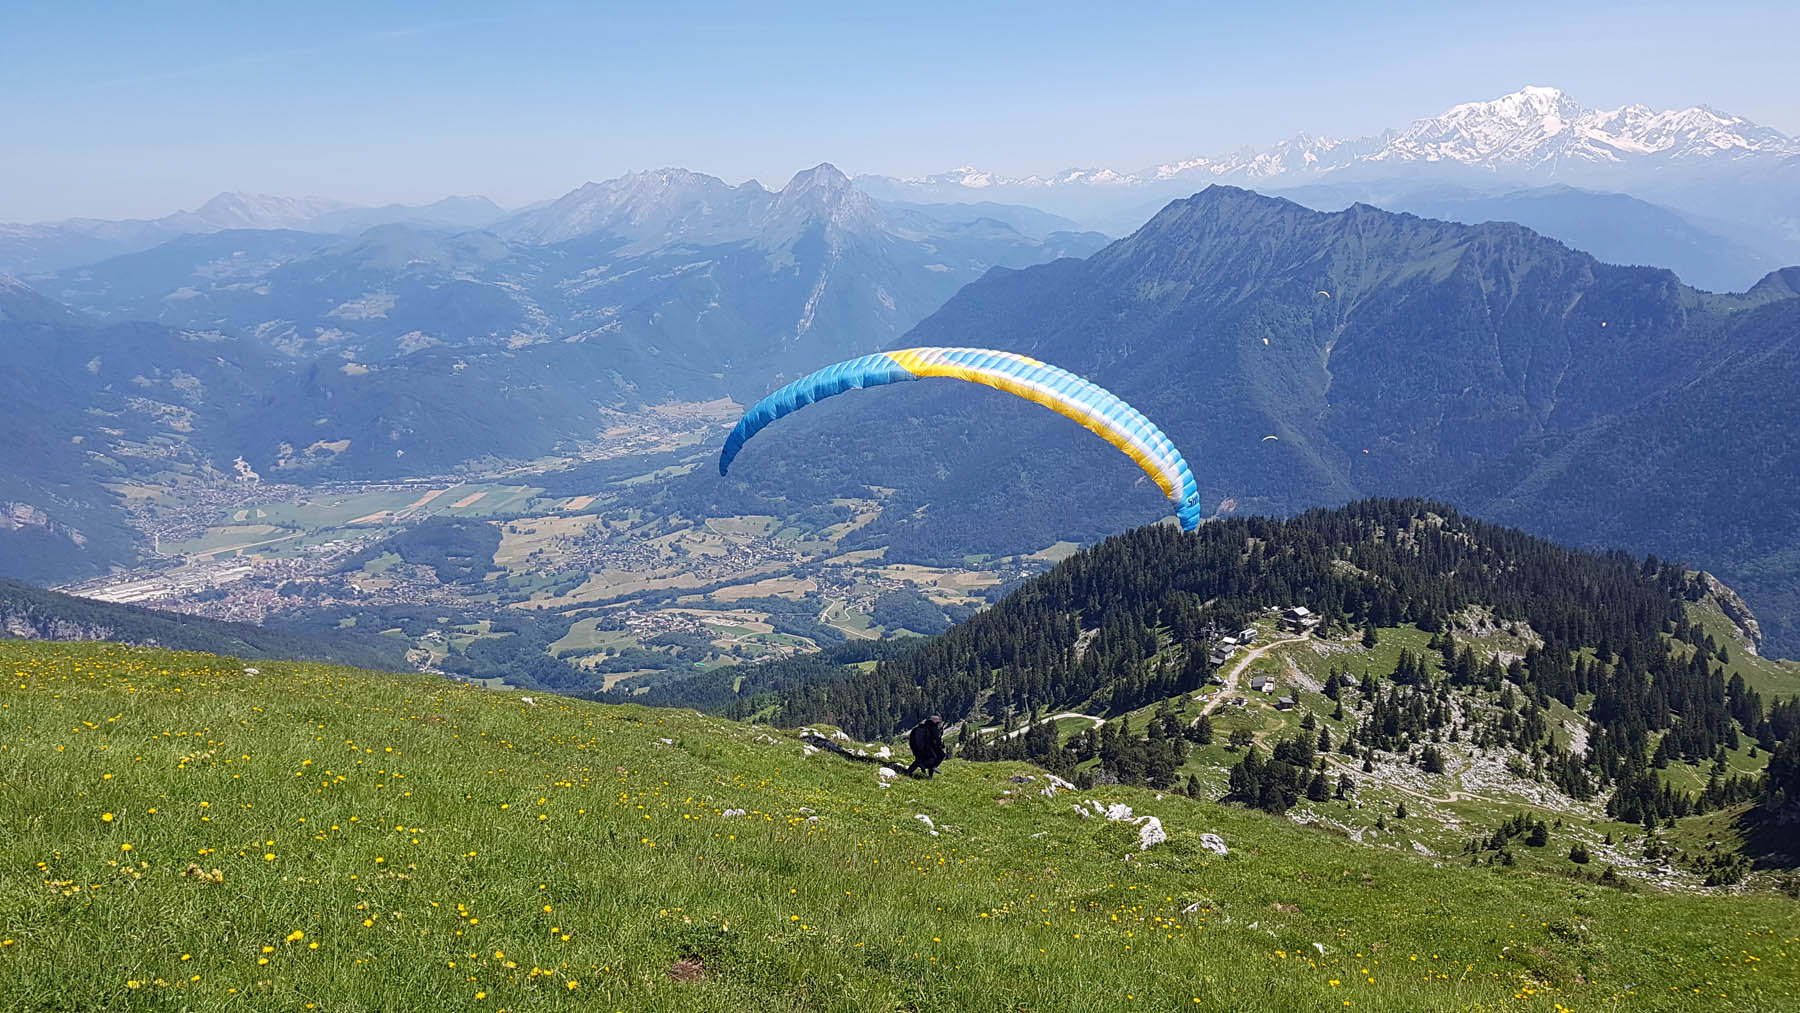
x,y
28,626
14,516
1748,631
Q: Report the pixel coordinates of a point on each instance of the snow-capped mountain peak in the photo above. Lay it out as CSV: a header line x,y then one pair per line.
x,y
1536,134
1539,126
263,211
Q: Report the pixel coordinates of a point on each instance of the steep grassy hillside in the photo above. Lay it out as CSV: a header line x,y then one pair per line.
x,y
306,837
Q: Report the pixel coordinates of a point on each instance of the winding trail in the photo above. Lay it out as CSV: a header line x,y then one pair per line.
x,y
1016,732
1230,686
824,618
1231,677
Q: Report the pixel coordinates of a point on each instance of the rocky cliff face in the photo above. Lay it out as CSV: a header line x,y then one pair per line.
x,y
26,626
1749,631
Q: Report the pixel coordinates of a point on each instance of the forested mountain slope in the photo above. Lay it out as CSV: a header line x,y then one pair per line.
x,y
1582,671
1388,355
91,406
1132,619
32,613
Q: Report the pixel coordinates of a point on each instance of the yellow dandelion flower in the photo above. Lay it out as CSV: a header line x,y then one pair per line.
x,y
106,817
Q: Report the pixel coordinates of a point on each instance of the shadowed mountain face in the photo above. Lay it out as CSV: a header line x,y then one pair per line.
x,y
1388,355
1616,228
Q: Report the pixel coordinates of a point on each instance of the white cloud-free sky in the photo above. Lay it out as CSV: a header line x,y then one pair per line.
x,y
132,109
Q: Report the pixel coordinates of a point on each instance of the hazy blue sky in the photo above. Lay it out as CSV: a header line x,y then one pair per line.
x,y
141,108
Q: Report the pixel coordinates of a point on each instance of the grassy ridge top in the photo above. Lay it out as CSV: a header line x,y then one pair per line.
x,y
398,842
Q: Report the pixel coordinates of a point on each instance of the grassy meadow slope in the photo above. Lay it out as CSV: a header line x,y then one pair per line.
x,y
309,837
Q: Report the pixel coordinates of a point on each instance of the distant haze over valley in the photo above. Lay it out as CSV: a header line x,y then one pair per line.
x,y
301,343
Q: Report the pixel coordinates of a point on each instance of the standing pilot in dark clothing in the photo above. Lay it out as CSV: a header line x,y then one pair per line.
x,y
927,741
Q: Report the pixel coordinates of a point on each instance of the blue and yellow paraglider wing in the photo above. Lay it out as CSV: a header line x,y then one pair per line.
x,y
1087,403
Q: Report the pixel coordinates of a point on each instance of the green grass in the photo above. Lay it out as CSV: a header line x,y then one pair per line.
x,y
220,539
439,842
583,635
331,510
1770,676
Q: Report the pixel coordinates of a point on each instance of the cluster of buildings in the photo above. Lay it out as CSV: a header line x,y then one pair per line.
x,y
1298,620
649,624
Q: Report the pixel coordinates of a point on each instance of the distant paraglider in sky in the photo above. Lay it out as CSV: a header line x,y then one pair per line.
x,y
1268,438
1088,404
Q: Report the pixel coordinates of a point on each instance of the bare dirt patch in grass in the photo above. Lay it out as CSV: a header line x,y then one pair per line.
x,y
430,495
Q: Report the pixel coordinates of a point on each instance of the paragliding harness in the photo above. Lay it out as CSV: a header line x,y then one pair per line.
x,y
927,742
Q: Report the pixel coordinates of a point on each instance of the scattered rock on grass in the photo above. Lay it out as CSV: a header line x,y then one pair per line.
x,y
1150,832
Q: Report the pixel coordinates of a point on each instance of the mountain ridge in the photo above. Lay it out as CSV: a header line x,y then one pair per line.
x,y
1389,354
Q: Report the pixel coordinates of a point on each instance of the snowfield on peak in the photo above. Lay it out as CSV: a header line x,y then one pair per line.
x,y
1535,131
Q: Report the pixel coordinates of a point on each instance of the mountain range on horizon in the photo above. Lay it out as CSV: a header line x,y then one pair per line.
x,y
1722,172
673,267
1535,136
1535,130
